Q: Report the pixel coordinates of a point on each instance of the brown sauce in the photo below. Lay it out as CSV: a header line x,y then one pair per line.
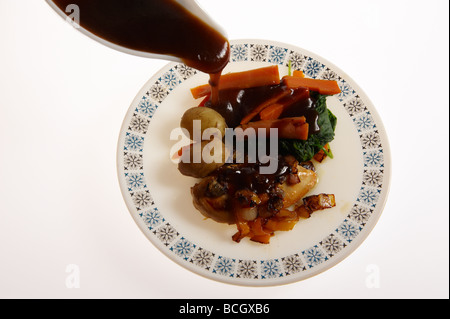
x,y
247,187
156,26
248,176
165,27
235,104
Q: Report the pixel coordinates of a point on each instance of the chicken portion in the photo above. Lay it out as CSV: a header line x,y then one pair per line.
x,y
211,199
295,192
258,204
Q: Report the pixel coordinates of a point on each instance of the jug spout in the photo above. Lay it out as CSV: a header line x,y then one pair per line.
x,y
173,30
193,7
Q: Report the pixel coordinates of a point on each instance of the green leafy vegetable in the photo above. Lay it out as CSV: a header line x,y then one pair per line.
x,y
328,153
305,150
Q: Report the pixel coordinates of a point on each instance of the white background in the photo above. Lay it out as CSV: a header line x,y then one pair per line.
x,y
62,101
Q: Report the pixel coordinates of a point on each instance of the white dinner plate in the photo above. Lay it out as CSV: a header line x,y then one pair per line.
x,y
158,196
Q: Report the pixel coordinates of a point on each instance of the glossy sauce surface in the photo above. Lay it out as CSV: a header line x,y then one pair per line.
x,y
155,26
235,104
247,176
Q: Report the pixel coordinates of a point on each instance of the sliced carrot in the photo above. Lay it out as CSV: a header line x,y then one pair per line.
x,y
298,74
205,100
243,231
256,227
299,132
303,212
258,232
287,214
267,124
262,239
326,87
270,109
178,154
247,79
272,112
264,197
281,225
289,128
263,105
320,156
201,91
285,220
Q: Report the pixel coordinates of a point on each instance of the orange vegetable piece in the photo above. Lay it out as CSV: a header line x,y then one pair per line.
x,y
243,231
205,100
289,127
281,225
285,220
274,107
298,74
256,227
178,154
262,106
272,112
320,156
247,79
287,214
258,233
262,239
326,87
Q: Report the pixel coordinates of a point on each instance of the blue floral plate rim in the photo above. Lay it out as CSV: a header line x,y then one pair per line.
x,y
359,221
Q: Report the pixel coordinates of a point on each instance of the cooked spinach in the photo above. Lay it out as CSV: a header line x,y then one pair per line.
x,y
305,150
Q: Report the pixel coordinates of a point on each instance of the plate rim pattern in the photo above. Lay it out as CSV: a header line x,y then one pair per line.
x,y
332,249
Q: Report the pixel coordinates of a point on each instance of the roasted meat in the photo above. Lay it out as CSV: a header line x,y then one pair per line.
x,y
239,194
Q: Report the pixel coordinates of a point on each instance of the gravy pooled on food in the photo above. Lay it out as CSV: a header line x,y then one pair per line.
x,y
234,104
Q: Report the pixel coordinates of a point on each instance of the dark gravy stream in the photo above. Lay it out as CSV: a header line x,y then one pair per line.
x,y
165,27
159,27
